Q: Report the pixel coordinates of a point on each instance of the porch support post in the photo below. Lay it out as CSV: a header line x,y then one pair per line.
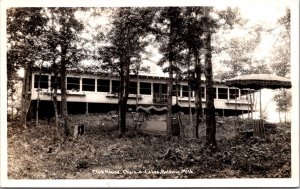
x,y
86,108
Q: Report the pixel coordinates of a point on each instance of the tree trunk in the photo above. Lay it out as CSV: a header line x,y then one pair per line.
x,y
122,115
201,112
126,91
210,113
120,104
12,103
123,97
169,104
279,116
23,99
55,106
64,107
137,92
12,109
177,88
190,107
197,108
252,102
285,105
198,90
248,104
285,117
26,94
55,101
190,91
38,99
54,86
170,80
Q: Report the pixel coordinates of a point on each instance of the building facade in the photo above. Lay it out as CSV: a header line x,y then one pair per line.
x,y
93,93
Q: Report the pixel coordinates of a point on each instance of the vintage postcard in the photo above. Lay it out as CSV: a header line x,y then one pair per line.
x,y
149,94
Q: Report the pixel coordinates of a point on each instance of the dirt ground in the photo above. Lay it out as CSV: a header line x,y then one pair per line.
x,y
37,152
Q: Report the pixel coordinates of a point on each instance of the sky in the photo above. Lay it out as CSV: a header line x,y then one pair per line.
x,y
267,16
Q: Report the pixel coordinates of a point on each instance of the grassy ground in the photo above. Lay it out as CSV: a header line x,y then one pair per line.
x,y
37,153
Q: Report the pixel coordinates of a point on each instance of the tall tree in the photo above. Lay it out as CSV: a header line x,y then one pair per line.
x,y
210,107
25,26
54,54
211,25
169,24
281,61
124,45
70,54
192,38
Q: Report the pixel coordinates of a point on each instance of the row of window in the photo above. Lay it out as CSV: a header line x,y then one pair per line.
x,y
88,84
103,85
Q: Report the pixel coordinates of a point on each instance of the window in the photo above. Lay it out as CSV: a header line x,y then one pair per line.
x,y
215,92
244,94
115,88
160,88
203,92
132,88
160,93
43,81
156,88
164,88
233,93
176,90
73,83
102,85
88,84
145,88
57,83
223,93
185,91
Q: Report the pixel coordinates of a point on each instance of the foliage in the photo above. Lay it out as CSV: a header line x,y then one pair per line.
x,y
36,153
125,19
125,43
26,37
170,24
68,29
64,32
283,101
241,52
13,104
25,33
281,60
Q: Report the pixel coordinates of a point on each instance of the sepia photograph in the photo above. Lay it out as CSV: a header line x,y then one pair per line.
x,y
124,94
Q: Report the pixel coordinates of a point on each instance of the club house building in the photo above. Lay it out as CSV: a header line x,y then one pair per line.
x,y
98,92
